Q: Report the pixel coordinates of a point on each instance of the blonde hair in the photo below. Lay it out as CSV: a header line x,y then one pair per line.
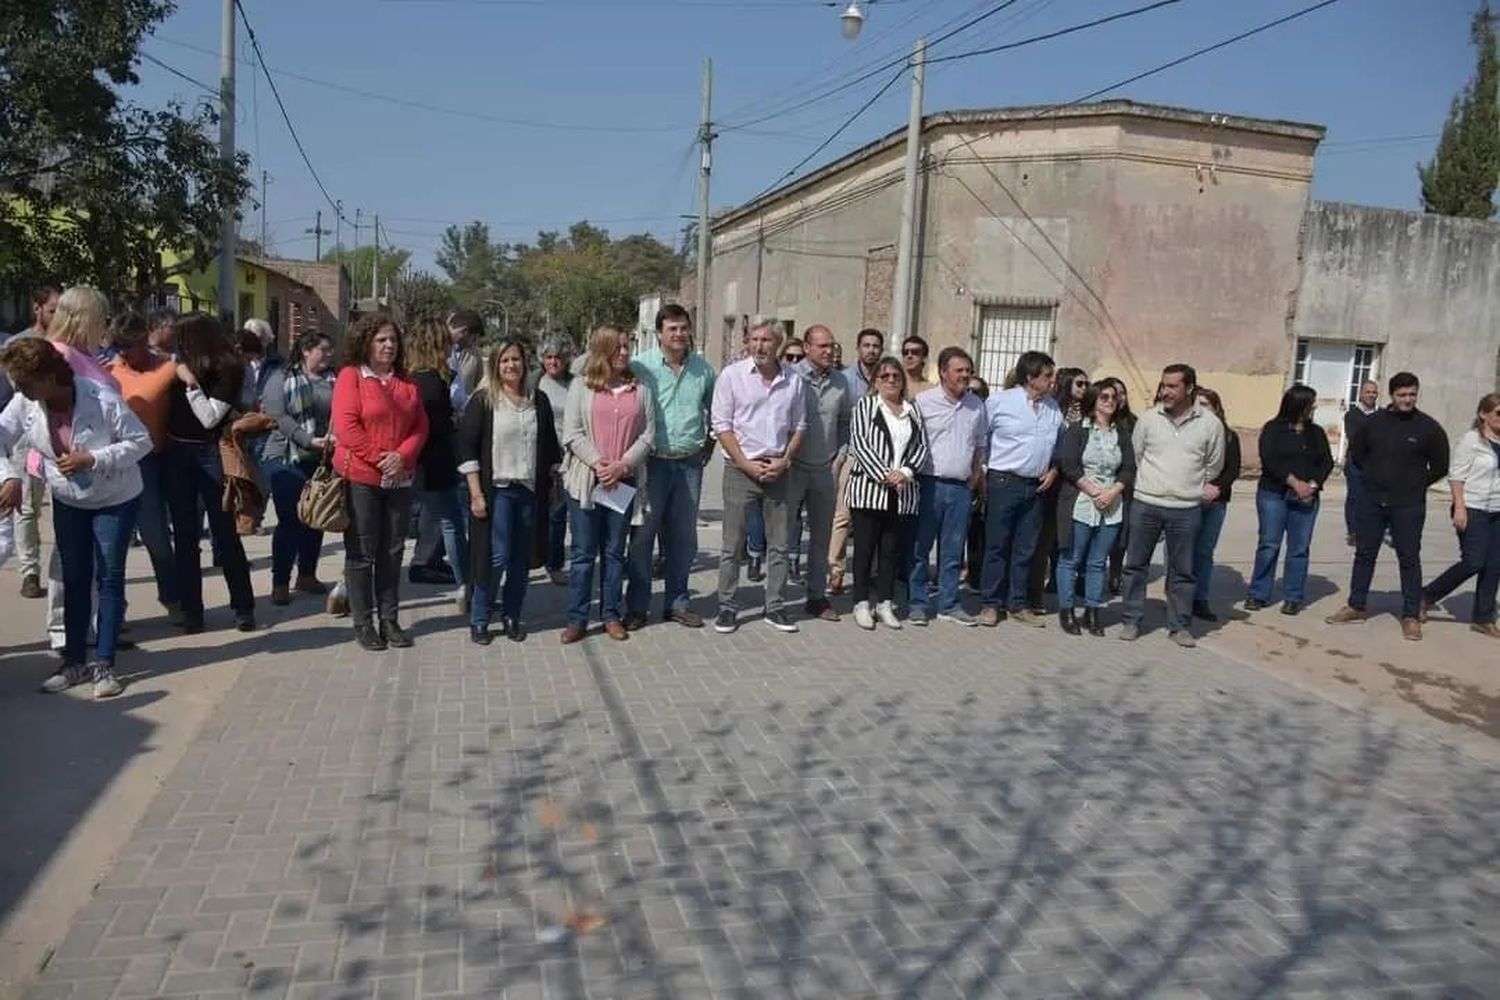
x,y
493,387
598,366
81,320
428,350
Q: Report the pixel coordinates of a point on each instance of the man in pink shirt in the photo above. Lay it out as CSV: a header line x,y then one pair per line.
x,y
758,414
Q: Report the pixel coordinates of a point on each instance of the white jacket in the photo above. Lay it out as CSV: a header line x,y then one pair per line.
x,y
1474,465
103,425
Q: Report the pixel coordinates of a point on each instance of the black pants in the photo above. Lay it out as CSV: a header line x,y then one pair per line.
x,y
879,537
373,545
195,483
1479,555
1371,521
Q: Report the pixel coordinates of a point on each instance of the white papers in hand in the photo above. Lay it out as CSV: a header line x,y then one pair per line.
x,y
617,497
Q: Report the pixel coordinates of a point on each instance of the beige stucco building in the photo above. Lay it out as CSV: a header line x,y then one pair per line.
x,y
1117,236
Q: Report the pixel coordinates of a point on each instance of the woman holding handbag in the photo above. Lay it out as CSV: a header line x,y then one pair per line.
x,y
887,444
379,427
507,449
299,397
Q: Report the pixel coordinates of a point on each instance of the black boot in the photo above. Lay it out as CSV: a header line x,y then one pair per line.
x,y
368,637
756,572
1203,612
1068,622
1091,621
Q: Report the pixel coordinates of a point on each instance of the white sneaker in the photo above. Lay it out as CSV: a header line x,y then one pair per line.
x,y
862,616
106,685
886,612
70,674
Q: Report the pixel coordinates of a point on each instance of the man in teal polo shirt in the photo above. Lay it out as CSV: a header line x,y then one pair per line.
x,y
682,388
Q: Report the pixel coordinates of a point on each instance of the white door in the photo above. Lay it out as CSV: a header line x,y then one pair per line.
x,y
1334,370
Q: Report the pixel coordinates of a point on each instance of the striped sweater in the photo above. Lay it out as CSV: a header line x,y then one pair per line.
x,y
870,451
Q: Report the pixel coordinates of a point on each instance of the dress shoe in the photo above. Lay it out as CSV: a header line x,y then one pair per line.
x,y
281,595
616,631
514,631
1489,629
394,635
1091,621
1347,615
480,636
572,634
756,571
1254,604
310,585
1291,607
686,617
1068,622
1203,612
31,586
821,609
369,638
635,621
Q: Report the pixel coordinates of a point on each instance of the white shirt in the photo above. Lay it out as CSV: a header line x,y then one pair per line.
x,y
1023,434
899,424
1475,465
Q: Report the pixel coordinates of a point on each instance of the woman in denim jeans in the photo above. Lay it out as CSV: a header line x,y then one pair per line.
x,y
608,427
439,487
300,398
91,445
508,448
1295,462
1214,511
1097,465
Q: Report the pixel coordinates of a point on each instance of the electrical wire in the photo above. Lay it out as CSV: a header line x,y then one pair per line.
x,y
178,73
1048,36
285,116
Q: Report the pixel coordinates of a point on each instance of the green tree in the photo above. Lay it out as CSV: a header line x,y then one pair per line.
x,y
471,262
1463,174
649,263
358,261
93,187
419,295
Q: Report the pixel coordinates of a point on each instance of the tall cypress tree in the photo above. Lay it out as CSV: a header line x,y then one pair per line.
x,y
1465,170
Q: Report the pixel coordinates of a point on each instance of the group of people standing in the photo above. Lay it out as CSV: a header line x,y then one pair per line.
x,y
1049,482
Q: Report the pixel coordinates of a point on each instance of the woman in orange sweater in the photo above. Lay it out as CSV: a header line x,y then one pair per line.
x,y
379,427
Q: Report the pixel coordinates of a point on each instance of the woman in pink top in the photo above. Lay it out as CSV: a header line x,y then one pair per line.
x,y
608,427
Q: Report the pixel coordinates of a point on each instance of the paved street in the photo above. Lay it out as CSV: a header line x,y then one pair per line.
x,y
933,813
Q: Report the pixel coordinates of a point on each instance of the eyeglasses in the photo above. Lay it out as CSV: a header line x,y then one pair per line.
x,y
792,356
888,376
1082,383
913,352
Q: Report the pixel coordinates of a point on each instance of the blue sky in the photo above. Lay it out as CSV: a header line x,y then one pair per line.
x,y
621,79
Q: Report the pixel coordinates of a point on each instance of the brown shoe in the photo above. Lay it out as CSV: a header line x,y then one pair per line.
x,y
1346,615
821,609
1423,609
1411,629
310,585
686,617
990,617
1486,628
616,631
281,595
31,587
1027,617
573,633
634,621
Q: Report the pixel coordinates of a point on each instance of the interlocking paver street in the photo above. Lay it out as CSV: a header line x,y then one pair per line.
x,y
939,812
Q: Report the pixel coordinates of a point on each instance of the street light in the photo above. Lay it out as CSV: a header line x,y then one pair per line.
x,y
852,20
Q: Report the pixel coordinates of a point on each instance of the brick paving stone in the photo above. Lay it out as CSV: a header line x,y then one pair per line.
x,y
831,814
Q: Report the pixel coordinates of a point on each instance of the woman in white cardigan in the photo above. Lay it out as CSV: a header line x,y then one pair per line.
x,y
887,445
91,445
608,427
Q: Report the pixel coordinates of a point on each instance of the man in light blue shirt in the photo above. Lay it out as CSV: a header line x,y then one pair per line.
x,y
814,483
1024,423
682,389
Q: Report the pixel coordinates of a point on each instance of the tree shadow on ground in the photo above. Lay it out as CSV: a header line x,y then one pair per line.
x,y
1079,837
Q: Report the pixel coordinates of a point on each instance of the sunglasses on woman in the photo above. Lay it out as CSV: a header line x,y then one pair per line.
x,y
792,356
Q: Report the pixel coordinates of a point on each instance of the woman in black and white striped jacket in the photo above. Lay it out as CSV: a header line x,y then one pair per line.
x,y
887,447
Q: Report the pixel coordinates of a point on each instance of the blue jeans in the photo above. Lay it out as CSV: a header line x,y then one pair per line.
x,y
755,532
512,512
593,529
152,521
557,533
84,537
673,486
1013,516
1090,548
450,506
195,486
942,517
292,542
1210,526
1281,513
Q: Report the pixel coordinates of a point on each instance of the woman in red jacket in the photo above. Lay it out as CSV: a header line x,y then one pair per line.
x,y
379,427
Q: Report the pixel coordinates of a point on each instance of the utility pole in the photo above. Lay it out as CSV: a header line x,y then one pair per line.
x,y
318,233
375,265
353,277
226,153
338,226
264,177
705,166
901,294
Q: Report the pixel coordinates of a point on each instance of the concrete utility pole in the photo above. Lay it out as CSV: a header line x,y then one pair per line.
x,y
338,226
375,264
318,233
264,177
353,276
901,294
226,153
705,166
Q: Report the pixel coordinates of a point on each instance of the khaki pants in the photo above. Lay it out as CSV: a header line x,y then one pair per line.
x,y
840,536
28,525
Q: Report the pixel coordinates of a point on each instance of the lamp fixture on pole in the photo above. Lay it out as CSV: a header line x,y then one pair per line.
x,y
852,20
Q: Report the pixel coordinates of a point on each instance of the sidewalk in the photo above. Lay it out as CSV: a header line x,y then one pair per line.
x,y
836,813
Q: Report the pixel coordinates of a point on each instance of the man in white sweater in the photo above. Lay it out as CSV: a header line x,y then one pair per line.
x,y
1179,450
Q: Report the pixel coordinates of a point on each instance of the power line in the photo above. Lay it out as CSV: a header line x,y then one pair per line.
x,y
178,73
296,139
437,108
1060,32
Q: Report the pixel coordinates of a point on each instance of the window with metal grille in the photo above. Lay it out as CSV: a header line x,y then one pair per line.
x,y
1362,369
1299,370
1005,333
